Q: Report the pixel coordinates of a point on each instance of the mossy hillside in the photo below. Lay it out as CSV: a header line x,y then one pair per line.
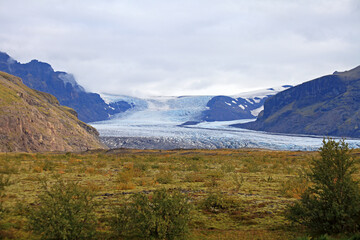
x,y
252,188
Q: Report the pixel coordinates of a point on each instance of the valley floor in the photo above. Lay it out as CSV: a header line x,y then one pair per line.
x,y
255,186
147,133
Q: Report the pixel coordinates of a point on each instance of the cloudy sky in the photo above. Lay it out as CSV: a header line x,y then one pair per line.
x,y
184,47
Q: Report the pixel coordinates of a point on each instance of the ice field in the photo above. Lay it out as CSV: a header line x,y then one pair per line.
x,y
156,124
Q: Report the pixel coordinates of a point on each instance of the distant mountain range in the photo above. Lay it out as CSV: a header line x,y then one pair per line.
x,y
328,106
90,107
40,76
190,110
33,121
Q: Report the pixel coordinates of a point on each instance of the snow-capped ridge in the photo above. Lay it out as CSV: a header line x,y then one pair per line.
x,y
261,93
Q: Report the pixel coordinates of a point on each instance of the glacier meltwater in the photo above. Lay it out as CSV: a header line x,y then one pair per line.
x,y
157,123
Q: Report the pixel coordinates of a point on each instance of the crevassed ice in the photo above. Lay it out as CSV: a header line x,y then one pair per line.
x,y
162,121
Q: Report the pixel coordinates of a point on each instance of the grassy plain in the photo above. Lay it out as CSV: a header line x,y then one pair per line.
x,y
251,187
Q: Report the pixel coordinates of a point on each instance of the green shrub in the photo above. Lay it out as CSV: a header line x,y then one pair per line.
x,y
228,168
238,181
162,215
64,211
355,237
218,202
165,177
326,237
4,182
332,203
141,166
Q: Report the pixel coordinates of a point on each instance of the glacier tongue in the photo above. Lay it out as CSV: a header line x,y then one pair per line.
x,y
159,110
204,135
155,123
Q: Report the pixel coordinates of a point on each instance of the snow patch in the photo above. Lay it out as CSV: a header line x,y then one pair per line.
x,y
257,100
256,112
261,93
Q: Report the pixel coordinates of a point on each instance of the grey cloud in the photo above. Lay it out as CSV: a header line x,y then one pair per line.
x,y
184,47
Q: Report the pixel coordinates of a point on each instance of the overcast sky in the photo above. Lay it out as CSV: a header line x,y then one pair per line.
x,y
184,47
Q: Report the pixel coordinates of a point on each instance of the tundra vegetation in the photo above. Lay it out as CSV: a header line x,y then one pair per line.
x,y
193,194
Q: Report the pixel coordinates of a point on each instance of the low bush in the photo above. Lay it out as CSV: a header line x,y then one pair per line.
x,y
218,202
64,211
162,215
165,177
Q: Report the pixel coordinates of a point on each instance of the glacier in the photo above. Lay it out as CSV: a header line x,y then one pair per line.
x,y
157,123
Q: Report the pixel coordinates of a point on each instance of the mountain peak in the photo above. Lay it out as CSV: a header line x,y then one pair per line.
x,y
352,74
4,55
40,64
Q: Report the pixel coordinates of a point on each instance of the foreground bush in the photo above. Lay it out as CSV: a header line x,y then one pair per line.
x,y
332,204
64,211
162,215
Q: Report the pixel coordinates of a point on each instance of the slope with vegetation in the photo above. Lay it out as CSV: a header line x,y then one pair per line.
x,y
35,121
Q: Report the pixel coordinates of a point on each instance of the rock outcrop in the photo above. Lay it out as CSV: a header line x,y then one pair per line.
x,y
32,121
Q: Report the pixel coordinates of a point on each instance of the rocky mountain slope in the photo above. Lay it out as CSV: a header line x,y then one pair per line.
x,y
41,76
328,106
31,121
243,106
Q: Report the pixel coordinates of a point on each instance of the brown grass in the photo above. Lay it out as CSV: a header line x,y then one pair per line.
x,y
263,182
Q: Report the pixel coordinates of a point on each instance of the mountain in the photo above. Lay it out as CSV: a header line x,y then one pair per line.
x,y
243,106
92,108
34,121
327,106
41,76
190,110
